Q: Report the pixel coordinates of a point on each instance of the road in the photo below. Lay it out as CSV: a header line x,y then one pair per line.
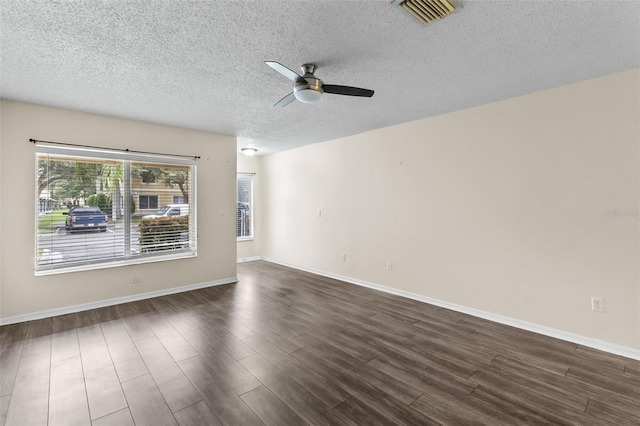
x,y
64,246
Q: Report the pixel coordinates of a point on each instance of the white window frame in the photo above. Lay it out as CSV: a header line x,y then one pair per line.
x,y
251,208
128,258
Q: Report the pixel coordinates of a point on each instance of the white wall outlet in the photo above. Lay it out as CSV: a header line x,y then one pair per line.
x,y
597,304
389,265
223,213
343,257
136,279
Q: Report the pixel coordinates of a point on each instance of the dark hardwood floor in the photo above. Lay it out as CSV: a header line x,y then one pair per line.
x,y
284,347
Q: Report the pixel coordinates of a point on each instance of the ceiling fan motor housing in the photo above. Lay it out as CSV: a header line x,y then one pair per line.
x,y
308,89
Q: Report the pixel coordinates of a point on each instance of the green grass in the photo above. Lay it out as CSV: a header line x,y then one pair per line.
x,y
46,222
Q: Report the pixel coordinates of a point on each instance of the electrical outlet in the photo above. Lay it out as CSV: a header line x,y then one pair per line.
x,y
343,257
389,266
597,304
135,279
223,213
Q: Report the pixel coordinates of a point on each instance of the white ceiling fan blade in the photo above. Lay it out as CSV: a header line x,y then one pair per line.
x,y
286,100
291,75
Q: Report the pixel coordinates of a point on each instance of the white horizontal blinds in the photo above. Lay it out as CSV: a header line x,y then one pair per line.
x,y
244,225
165,225
87,233
109,199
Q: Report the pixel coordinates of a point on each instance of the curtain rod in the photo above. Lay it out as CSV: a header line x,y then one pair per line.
x,y
197,157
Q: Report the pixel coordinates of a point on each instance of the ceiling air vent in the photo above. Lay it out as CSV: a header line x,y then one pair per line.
x,y
426,10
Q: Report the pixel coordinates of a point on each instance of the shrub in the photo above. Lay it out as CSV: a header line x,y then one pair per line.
x,y
163,233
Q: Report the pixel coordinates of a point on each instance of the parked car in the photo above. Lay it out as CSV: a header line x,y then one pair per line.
x,y
170,210
85,217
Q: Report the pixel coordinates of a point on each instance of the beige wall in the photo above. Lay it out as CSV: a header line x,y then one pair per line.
x,y
503,207
22,292
252,248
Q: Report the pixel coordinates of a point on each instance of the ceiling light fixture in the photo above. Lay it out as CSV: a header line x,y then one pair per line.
x,y
308,95
249,152
308,89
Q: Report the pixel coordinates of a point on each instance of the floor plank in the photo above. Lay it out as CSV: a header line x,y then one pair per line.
x,y
271,410
517,393
64,341
104,392
378,378
9,361
220,398
134,322
197,414
4,406
358,413
374,398
449,409
319,386
68,396
119,418
224,365
126,358
146,404
174,386
301,401
170,338
614,411
29,401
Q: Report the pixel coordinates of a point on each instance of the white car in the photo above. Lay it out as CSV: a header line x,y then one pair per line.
x,y
170,210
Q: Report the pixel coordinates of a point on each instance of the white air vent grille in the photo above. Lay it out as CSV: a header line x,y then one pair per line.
x,y
426,10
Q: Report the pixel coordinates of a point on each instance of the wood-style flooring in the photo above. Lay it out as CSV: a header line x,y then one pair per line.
x,y
284,347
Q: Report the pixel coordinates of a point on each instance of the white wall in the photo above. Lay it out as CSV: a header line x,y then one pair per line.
x,y
22,292
248,249
501,208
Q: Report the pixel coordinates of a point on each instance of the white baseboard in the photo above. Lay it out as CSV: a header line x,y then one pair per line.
x,y
109,302
249,259
524,325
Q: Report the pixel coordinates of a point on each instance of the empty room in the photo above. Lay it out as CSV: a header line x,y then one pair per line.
x,y
314,212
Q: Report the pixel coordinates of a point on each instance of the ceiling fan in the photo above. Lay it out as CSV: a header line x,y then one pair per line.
x,y
308,88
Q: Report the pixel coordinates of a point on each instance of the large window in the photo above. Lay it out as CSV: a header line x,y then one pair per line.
x,y
244,222
92,209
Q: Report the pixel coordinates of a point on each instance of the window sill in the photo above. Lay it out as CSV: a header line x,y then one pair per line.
x,y
115,264
239,239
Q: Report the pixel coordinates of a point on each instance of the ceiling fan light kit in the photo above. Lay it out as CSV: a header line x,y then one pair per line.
x,y
426,11
308,96
307,88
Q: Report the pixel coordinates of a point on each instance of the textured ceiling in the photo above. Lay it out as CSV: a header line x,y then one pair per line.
x,y
199,64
